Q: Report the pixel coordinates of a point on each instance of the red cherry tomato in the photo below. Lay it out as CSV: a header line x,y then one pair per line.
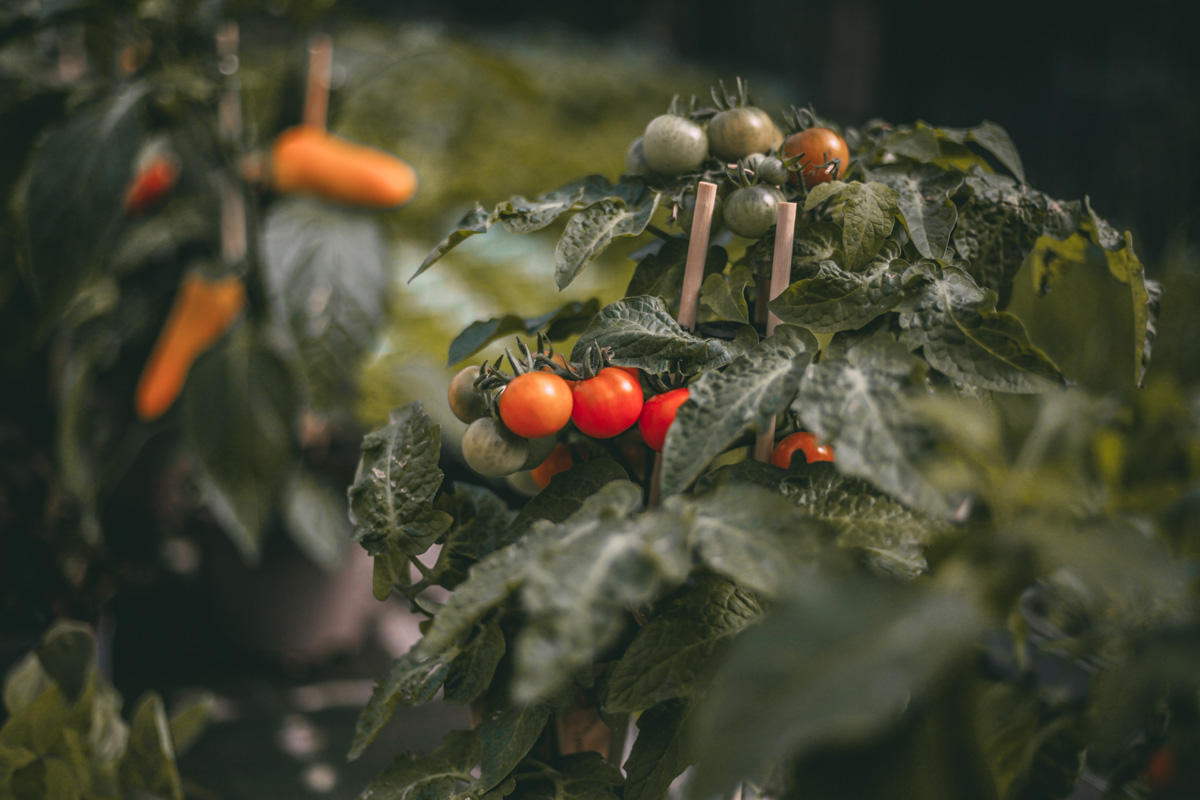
x,y
535,404
819,146
806,443
607,404
1161,774
559,460
657,415
150,186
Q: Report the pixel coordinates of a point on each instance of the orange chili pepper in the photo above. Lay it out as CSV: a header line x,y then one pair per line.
x,y
202,312
306,159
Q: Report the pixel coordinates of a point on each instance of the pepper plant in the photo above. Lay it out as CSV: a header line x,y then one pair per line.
x,y
990,592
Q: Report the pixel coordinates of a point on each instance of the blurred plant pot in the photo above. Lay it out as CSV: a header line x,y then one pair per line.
x,y
287,607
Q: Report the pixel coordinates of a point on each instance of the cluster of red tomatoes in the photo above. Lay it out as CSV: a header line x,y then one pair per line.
x,y
519,431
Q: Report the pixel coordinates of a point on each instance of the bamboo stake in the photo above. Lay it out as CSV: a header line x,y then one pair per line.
x,y
781,275
229,127
320,70
689,300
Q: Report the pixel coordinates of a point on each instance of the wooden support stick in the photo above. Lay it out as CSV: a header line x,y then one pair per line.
x,y
320,70
781,275
689,300
229,105
693,272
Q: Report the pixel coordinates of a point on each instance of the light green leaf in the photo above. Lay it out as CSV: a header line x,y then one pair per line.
x,y
725,405
188,721
995,140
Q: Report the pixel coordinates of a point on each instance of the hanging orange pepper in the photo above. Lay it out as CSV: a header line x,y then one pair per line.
x,y
202,312
307,159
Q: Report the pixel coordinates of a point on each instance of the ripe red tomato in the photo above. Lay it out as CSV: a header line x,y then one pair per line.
x,y
150,186
607,404
819,146
657,415
535,404
806,443
1161,773
559,460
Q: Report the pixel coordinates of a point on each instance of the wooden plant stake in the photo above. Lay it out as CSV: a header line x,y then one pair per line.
x,y
229,128
689,300
781,275
320,71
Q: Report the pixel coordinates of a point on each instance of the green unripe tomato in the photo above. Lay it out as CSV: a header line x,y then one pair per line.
x,y
674,145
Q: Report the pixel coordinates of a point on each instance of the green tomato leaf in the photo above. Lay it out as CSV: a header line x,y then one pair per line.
x,y
592,230
398,476
315,513
488,585
997,228
924,192
835,299
814,243
995,140
972,344
567,492
149,760
866,212
441,773
660,271
659,753
483,523
581,578
477,220
326,271
471,671
725,295
46,778
507,736
240,408
855,399
643,334
675,654
812,673
581,776
561,323
189,721
725,405
413,680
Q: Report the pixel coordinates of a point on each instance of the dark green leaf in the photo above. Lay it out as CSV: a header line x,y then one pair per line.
x,y
590,231
398,476
558,324
966,340
482,524
149,760
471,671
660,273
315,514
725,294
997,228
47,778
477,220
854,398
507,736
725,405
835,299
519,215
564,496
160,238
866,212
840,663
68,655
241,407
580,776
643,334
412,681
326,270
429,777
489,583
675,654
814,243
995,140
924,201
659,753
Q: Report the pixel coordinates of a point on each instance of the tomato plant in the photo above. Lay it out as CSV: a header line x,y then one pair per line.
x,y
803,442
607,404
657,415
535,404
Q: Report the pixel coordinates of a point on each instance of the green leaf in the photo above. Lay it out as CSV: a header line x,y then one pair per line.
x,y
725,405
835,299
483,523
854,398
189,721
660,272
924,192
659,753
471,671
561,323
76,193
240,411
677,651
890,535
753,536
412,776
475,221
391,500
67,652
149,761
1052,258
814,243
725,294
326,271
582,578
997,228
412,681
972,344
995,140
47,778
489,583
507,736
24,683
866,212
580,776
838,664
564,496
643,334
592,230
315,514
519,215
